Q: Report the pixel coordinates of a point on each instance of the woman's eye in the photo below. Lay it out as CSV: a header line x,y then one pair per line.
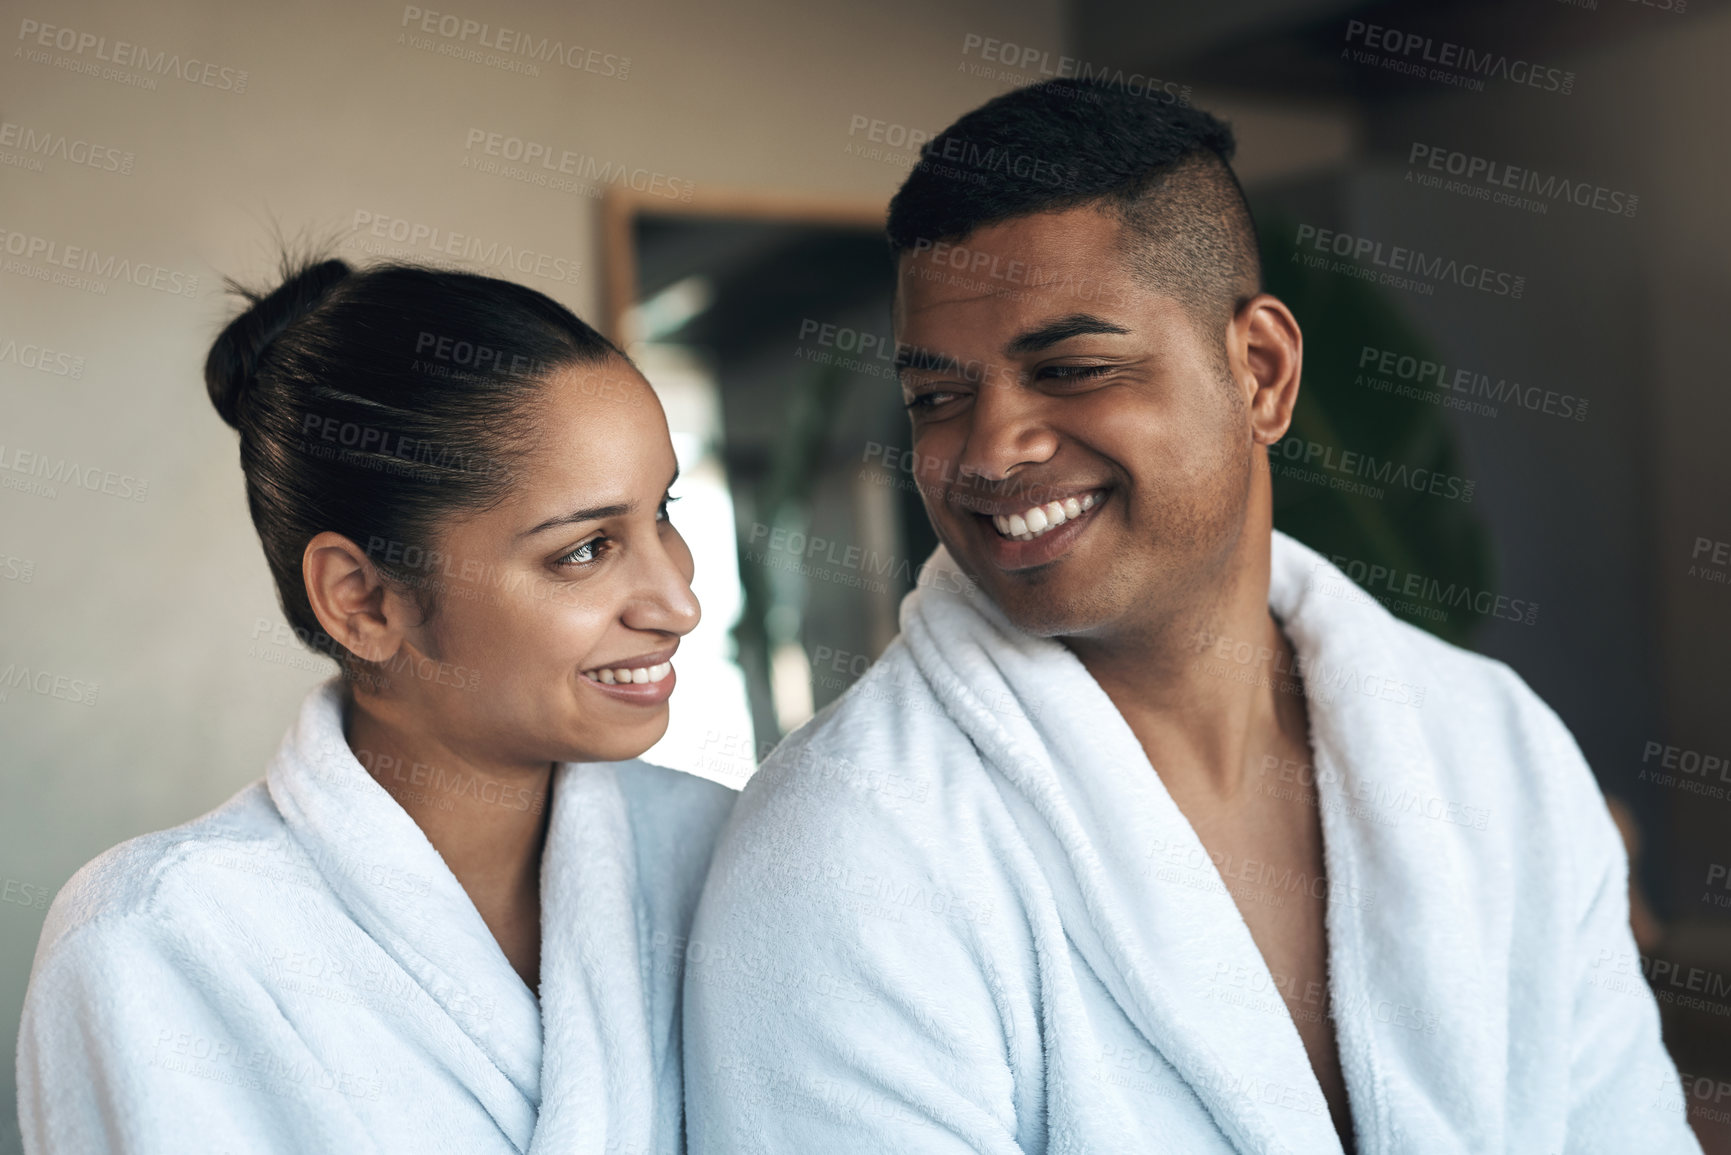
x,y
661,510
586,554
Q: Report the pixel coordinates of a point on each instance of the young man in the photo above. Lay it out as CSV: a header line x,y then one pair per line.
x,y
1149,833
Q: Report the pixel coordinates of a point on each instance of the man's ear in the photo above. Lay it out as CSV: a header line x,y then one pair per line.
x,y
1265,351
351,599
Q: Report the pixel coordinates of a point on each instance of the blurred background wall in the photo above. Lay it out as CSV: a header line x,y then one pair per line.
x,y
146,154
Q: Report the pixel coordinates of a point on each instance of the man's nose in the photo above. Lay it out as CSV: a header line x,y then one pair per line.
x,y
1007,431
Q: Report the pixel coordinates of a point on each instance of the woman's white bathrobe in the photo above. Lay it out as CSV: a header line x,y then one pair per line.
x,y
958,912
299,971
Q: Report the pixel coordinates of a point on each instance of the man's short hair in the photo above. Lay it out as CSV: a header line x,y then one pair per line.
x,y
1162,168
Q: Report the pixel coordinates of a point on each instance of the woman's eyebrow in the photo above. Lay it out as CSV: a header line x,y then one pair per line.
x,y
595,513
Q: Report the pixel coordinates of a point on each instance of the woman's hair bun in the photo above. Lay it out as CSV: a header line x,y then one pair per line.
x,y
232,367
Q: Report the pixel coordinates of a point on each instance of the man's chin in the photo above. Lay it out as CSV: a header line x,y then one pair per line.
x,y
1045,609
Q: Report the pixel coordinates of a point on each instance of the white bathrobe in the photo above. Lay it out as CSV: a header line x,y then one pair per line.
x,y
959,912
299,971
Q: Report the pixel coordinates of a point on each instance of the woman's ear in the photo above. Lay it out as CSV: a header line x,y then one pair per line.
x,y
351,599
1267,355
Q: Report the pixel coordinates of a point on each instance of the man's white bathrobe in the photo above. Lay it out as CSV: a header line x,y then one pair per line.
x,y
958,912
299,971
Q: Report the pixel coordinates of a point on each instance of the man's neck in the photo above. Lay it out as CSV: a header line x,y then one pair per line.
x,y
1207,688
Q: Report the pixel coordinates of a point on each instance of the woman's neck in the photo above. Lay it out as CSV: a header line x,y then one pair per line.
x,y
487,821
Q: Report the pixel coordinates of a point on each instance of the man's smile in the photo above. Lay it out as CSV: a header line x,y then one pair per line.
x,y
1017,535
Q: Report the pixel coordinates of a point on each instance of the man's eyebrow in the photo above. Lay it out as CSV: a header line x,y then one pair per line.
x,y
594,513
914,357
1062,329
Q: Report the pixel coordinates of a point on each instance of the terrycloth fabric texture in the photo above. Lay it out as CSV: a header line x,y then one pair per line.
x,y
299,971
959,912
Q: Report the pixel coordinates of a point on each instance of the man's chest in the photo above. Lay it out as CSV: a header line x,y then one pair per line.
x,y
1267,845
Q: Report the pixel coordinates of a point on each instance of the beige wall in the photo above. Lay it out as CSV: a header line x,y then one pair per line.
x,y
155,600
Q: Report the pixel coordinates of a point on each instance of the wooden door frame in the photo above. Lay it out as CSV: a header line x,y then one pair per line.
x,y
620,208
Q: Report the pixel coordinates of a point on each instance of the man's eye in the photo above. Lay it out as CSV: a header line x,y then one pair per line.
x,y
588,553
1075,372
931,400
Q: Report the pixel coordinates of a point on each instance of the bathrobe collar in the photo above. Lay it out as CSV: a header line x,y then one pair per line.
x,y
548,1094
1081,789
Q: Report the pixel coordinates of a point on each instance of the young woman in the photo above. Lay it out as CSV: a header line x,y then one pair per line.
x,y
451,915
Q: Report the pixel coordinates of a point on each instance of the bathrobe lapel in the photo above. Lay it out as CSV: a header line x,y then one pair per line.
x,y
399,890
1418,1033
1143,902
1080,788
598,1078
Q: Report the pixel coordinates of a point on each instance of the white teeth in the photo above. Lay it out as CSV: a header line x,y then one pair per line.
x,y
637,676
1042,519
